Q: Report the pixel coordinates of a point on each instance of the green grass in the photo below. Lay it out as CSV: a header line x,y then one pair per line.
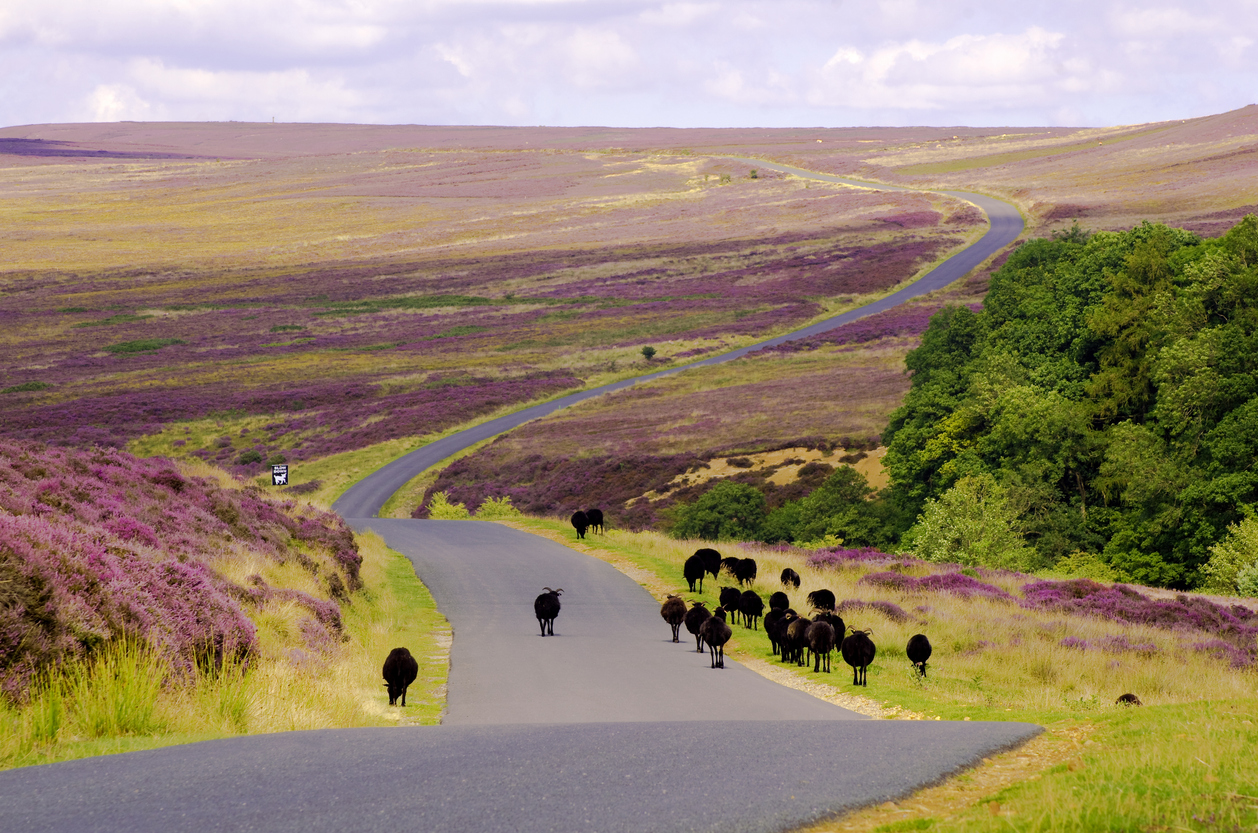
x,y
26,387
144,345
1184,761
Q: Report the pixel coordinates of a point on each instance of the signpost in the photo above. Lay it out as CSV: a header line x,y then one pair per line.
x,y
279,475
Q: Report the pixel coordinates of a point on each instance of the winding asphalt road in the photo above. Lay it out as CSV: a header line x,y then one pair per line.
x,y
607,726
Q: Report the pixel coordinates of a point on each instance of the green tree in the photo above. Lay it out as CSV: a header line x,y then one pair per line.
x,y
972,523
727,511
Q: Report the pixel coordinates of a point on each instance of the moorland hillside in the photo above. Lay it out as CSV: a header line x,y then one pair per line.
x,y
254,293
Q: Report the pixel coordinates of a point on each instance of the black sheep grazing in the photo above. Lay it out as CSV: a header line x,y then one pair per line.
x,y
775,622
796,644
729,598
711,560
695,617
752,607
820,638
716,633
779,601
790,578
1128,700
918,651
400,670
580,523
546,606
821,599
693,571
594,517
745,571
858,651
674,612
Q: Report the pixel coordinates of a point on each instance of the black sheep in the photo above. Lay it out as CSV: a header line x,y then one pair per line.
x,y
835,621
674,612
580,523
716,633
918,651
695,617
820,638
743,569
546,606
693,571
775,622
711,560
1128,700
752,607
821,599
858,651
790,578
796,644
729,598
594,517
779,601
400,670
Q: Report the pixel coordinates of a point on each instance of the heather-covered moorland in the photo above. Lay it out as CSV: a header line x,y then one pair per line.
x,y
1011,646
197,302
1091,417
141,598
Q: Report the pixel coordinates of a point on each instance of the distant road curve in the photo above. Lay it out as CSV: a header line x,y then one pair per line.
x,y
366,497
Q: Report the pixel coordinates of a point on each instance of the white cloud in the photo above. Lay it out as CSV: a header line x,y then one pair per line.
x,y
117,102
682,62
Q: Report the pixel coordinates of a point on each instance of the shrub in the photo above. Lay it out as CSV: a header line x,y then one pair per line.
x,y
497,508
972,523
441,509
1233,557
648,352
727,511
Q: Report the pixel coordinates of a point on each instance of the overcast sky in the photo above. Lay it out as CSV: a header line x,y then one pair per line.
x,y
627,63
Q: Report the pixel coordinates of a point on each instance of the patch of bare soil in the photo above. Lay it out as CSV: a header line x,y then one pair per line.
x,y
783,467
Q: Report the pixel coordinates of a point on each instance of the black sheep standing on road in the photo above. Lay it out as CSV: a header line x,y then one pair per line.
x,y
400,670
546,606
918,651
695,617
674,613
716,633
580,523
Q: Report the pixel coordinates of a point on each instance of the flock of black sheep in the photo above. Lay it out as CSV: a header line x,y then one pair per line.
x,y
794,638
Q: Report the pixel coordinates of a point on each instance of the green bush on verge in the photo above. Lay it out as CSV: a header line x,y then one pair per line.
x,y
441,509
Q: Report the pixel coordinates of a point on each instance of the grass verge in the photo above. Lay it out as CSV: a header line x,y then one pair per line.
x,y
127,699
1182,762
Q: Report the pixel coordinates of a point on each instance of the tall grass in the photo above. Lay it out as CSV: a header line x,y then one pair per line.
x,y
130,698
